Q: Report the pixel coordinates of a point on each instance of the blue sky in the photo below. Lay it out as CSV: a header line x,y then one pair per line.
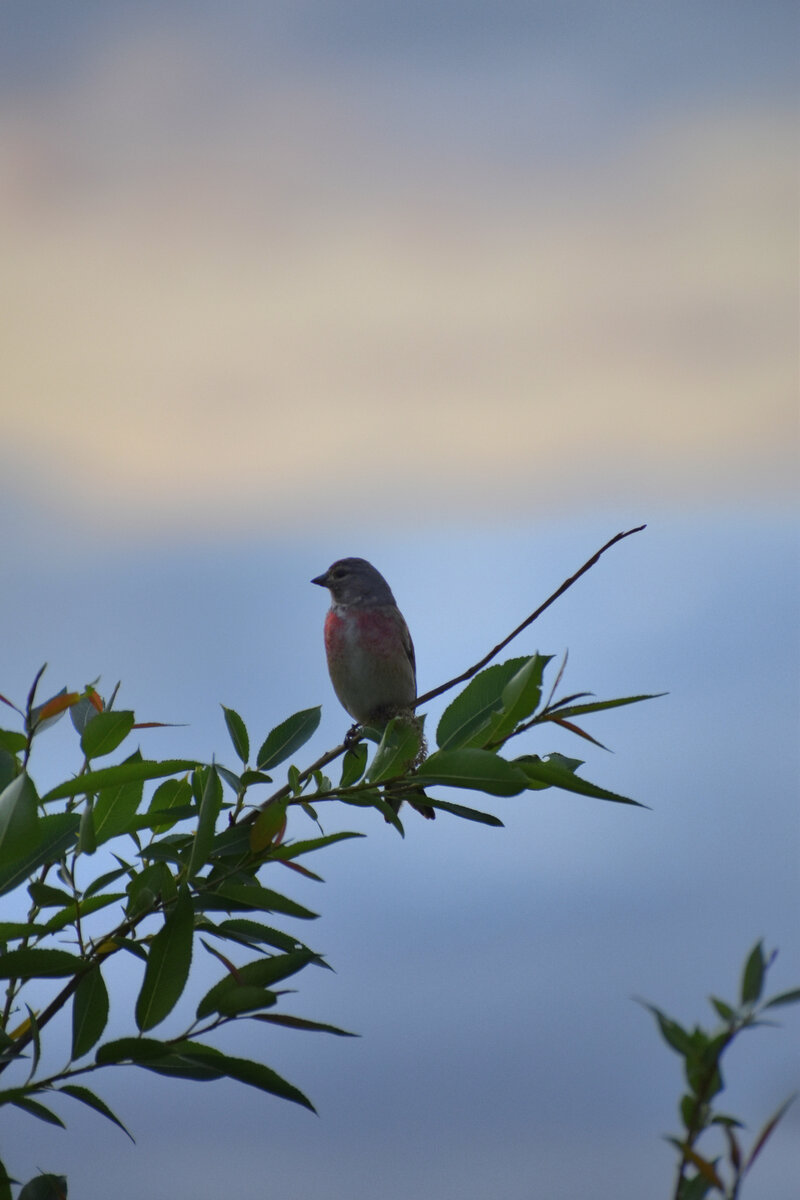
x,y
463,289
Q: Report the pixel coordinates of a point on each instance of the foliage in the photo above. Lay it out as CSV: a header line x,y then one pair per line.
x,y
107,873
697,1174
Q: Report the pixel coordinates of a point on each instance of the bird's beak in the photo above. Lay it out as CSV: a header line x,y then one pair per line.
x,y
321,580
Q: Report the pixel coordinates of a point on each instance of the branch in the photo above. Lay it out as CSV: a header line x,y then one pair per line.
x,y
330,755
286,790
468,674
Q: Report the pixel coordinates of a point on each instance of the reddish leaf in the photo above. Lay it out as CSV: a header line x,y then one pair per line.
x,y
576,729
301,870
157,725
706,1168
767,1130
226,962
734,1153
57,705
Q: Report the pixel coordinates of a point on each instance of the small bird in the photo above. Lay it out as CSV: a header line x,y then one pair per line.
x,y
370,653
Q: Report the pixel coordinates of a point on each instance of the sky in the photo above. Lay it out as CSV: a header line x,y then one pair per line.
x,y
464,289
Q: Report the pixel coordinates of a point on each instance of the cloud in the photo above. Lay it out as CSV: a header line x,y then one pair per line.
x,y
244,304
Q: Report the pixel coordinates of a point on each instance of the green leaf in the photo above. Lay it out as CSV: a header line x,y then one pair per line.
x,y
269,822
245,1000
38,1110
465,720
688,1109
289,1022
87,838
261,973
469,814
19,819
250,933
753,975
472,768
9,769
33,1025
171,849
45,896
678,1038
192,1060
38,964
105,731
131,946
238,731
155,820
372,798
722,1009
71,912
172,793
102,881
11,930
152,885
548,772
520,697
12,741
139,1050
288,850
45,1187
248,778
724,1119
210,806
125,772
354,764
288,737
233,781
117,805
399,746
5,1183
87,1097
238,897
242,1070
89,1012
792,997
578,710
57,834
168,962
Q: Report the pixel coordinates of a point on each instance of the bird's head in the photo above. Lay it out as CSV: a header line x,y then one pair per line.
x,y
354,581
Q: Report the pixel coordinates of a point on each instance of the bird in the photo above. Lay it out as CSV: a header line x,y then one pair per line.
x,y
370,653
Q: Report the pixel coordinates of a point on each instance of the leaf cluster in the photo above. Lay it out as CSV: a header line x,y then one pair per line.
x,y
184,867
162,859
500,703
699,1175
180,877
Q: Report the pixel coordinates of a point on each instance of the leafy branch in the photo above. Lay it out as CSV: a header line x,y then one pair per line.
x,y
702,1051
195,866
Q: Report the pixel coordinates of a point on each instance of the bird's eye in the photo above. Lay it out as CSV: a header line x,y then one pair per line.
x,y
339,572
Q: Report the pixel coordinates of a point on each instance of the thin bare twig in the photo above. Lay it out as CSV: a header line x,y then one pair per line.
x,y
468,674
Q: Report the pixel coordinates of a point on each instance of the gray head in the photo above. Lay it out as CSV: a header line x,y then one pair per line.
x,y
355,581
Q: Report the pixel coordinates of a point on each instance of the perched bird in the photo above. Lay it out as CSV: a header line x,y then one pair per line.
x,y
370,652
371,656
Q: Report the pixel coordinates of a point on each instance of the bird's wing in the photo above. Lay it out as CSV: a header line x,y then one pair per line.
x,y
408,646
